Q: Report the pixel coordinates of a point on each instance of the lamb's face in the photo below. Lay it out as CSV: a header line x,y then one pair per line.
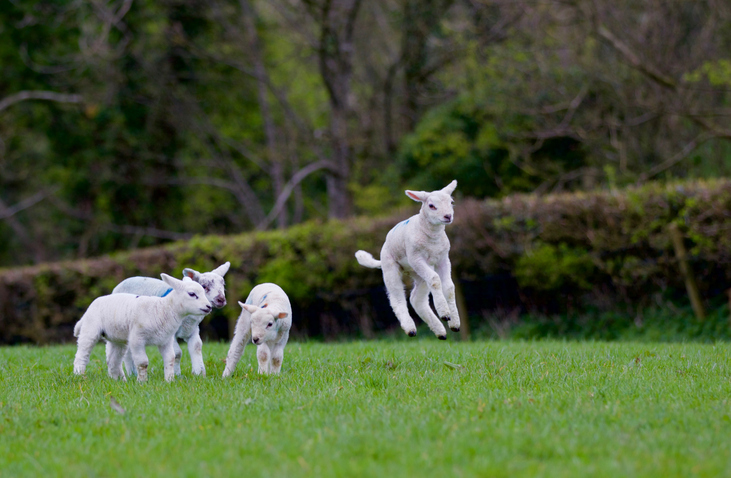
x,y
438,208
194,298
263,326
213,283
189,295
215,288
264,322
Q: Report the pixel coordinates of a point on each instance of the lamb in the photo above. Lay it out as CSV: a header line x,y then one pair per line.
x,y
128,321
265,318
419,247
214,287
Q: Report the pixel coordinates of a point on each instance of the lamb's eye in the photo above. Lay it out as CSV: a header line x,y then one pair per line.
x,y
193,295
433,207
206,288
270,324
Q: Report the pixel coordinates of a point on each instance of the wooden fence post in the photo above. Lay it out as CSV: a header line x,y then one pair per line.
x,y
690,284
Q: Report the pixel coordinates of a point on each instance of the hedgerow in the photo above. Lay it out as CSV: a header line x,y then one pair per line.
x,y
606,249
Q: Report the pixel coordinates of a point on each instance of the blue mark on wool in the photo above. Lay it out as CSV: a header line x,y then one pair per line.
x,y
263,299
402,223
167,292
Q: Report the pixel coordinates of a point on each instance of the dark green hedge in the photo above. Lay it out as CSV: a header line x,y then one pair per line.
x,y
600,249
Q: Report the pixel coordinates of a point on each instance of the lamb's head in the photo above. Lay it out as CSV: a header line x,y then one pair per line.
x,y
264,322
213,283
436,206
189,294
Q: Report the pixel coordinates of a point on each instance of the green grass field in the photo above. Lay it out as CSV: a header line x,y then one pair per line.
x,y
387,408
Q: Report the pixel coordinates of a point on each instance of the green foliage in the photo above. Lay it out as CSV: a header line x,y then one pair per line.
x,y
361,409
460,141
549,267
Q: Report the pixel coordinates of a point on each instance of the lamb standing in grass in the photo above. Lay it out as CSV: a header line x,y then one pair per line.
x,y
214,287
419,247
265,318
128,321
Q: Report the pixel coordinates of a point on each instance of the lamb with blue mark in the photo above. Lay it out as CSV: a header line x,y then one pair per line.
x,y
419,247
266,319
130,322
213,284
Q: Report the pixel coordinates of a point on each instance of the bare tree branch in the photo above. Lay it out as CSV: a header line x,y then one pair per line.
x,y
6,212
298,177
678,157
39,95
147,231
645,67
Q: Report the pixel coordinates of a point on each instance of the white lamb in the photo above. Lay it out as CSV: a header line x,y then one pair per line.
x,y
214,287
265,318
128,321
419,247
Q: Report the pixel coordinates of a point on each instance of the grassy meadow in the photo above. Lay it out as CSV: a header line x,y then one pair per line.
x,y
381,408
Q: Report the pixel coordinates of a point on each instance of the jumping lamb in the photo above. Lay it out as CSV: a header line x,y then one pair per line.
x,y
419,247
265,319
128,321
214,287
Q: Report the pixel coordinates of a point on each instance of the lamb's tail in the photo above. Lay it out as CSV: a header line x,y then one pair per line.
x,y
367,260
77,327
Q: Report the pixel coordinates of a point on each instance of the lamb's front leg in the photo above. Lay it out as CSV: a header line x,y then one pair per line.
x,y
278,353
444,269
115,352
167,350
434,281
242,336
195,348
420,303
263,355
139,357
178,355
129,364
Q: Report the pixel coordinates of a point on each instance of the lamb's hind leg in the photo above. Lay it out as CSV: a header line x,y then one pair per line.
x,y
85,342
420,302
393,280
444,269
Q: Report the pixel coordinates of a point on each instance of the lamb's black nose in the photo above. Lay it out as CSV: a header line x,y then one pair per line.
x,y
448,217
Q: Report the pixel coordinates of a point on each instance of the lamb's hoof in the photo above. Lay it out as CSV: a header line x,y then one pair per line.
x,y
412,333
454,329
442,337
446,318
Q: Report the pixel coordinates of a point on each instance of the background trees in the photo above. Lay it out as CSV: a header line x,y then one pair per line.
x,y
124,124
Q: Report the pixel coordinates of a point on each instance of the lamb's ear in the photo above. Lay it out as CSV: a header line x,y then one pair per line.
x,y
419,196
282,315
191,273
250,308
221,270
171,281
241,304
449,189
